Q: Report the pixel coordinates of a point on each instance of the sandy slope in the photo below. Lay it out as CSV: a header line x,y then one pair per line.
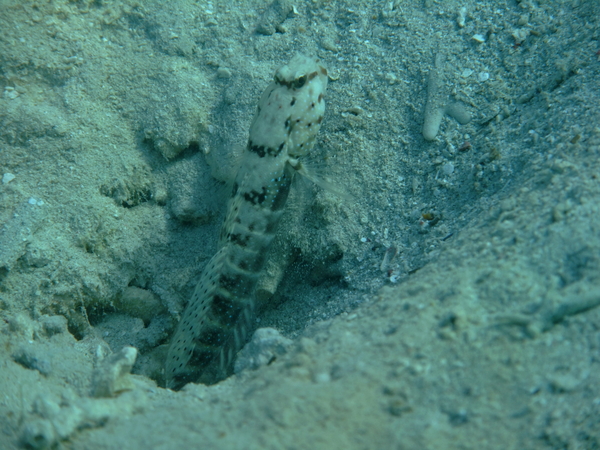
x,y
120,123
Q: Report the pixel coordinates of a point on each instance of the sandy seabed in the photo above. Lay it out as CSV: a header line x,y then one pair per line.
x,y
450,303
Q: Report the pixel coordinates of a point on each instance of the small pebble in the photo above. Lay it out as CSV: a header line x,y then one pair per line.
x,y
322,377
448,168
140,303
330,45
520,34
523,19
54,324
566,382
264,347
160,195
479,38
7,178
33,201
223,72
391,78
10,93
34,359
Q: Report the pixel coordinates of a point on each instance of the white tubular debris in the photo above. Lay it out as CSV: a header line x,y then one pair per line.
x,y
458,112
434,110
112,376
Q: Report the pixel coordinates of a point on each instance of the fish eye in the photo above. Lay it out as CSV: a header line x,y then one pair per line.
x,y
300,82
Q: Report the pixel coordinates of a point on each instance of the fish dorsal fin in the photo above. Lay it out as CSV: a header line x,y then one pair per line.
x,y
312,175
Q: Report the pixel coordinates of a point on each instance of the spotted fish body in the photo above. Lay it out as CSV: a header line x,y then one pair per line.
x,y
216,323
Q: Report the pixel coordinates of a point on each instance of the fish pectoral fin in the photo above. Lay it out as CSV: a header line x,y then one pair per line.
x,y
320,181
